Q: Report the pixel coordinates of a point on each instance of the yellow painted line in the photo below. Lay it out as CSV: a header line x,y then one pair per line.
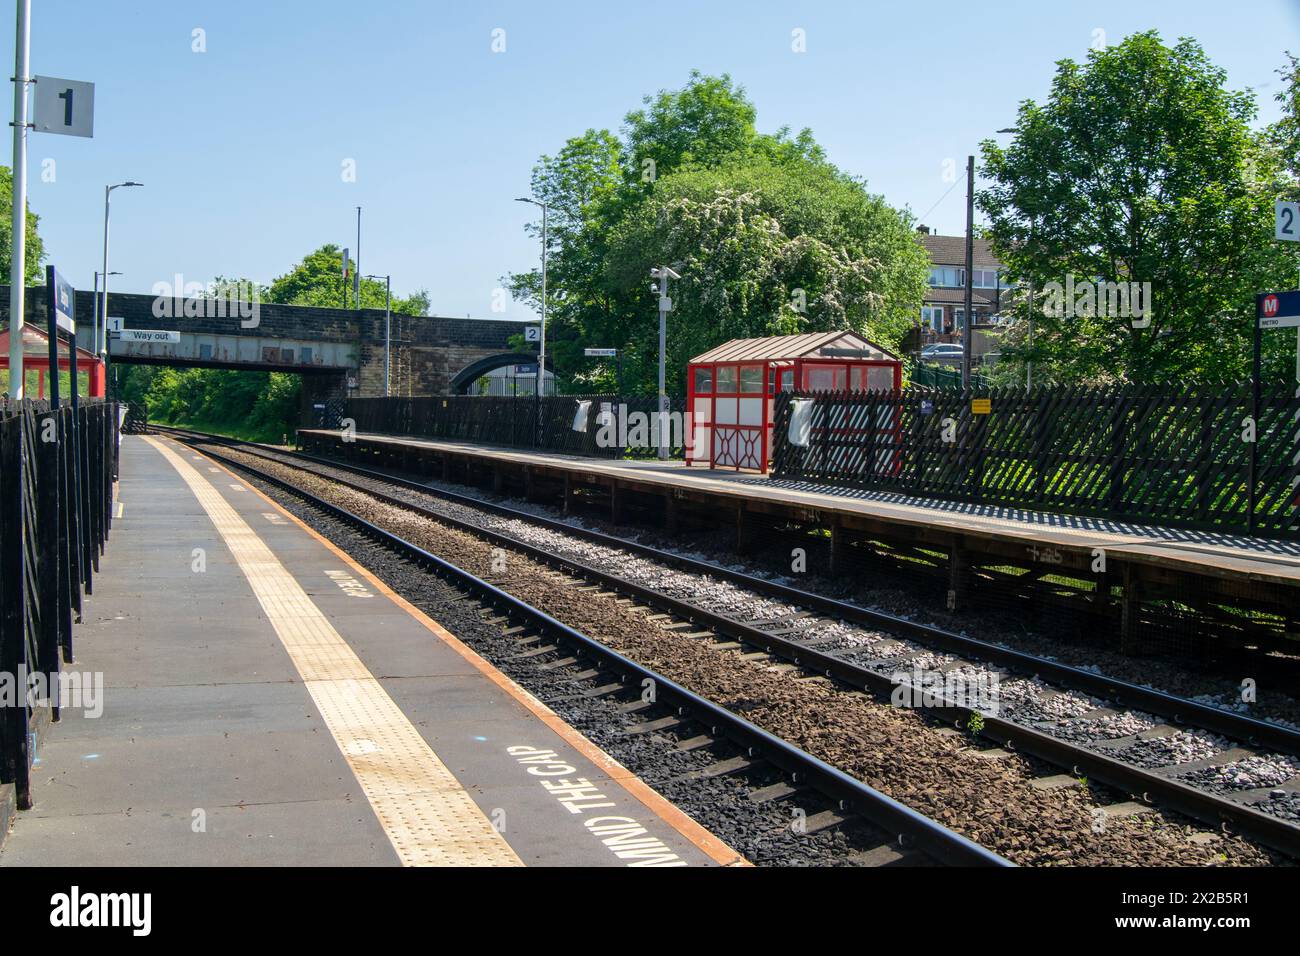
x,y
426,813
704,841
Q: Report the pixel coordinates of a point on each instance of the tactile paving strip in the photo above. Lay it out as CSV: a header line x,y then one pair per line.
x,y
427,815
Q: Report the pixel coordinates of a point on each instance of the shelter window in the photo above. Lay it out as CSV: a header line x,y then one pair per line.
x,y
703,381
751,379
824,378
726,379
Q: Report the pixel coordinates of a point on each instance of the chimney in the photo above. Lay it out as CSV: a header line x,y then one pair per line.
x,y
923,230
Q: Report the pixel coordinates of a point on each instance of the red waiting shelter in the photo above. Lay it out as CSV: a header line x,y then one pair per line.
x,y
732,389
36,355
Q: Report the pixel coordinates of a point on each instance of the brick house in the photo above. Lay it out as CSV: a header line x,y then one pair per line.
x,y
944,304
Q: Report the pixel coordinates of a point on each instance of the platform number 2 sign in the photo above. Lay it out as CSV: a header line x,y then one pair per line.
x,y
1286,221
64,106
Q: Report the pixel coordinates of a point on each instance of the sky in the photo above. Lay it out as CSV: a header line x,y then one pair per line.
x,y
243,148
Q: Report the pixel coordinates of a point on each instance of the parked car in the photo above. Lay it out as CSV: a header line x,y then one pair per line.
x,y
942,353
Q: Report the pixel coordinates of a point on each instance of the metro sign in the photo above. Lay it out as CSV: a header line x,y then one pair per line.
x,y
1278,310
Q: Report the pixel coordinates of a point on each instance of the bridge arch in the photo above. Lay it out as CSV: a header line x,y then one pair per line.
x,y
471,373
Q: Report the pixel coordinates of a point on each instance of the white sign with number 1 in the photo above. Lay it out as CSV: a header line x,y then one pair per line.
x,y
64,106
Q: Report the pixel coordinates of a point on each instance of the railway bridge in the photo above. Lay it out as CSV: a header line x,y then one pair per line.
x,y
340,352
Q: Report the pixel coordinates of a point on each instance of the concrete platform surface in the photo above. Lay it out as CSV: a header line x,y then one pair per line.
x,y
265,701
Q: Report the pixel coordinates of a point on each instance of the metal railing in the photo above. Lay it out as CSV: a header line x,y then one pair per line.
x,y
57,470
1195,457
514,422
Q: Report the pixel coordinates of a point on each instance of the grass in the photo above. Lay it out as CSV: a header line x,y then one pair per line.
x,y
234,431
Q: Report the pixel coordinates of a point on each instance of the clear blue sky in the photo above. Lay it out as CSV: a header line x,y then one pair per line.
x,y
240,148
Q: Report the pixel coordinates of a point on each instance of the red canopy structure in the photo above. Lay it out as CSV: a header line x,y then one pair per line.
x,y
36,355
731,389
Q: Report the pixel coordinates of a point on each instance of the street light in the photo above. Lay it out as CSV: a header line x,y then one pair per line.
x,y
95,308
541,352
388,323
101,342
661,277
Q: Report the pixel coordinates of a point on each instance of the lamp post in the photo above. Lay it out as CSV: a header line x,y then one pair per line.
x,y
661,277
94,325
541,351
102,346
388,325
95,306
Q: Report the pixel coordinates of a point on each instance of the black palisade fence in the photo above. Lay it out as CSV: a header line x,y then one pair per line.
x,y
57,470
513,421
1153,455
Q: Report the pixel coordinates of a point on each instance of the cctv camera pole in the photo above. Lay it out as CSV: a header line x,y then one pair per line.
x,y
970,262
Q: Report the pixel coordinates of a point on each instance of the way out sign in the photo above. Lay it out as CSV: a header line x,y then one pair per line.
x,y
1278,310
64,106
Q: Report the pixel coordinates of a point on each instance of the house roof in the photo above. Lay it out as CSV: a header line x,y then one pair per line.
x,y
979,297
951,251
786,348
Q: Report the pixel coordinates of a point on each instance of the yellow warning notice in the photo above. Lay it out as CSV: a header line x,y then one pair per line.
x,y
981,406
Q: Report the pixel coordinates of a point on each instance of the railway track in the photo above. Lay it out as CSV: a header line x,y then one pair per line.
x,y
784,639
655,703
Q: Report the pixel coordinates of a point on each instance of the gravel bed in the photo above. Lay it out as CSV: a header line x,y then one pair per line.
x,y
1284,804
1034,702
894,750
1184,746
1246,774
914,599
739,602
1110,727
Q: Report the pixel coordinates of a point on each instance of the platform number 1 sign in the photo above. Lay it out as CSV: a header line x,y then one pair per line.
x,y
64,106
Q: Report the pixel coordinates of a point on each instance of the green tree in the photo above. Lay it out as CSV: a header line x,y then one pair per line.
x,y
35,249
1283,137
772,237
1140,167
318,281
